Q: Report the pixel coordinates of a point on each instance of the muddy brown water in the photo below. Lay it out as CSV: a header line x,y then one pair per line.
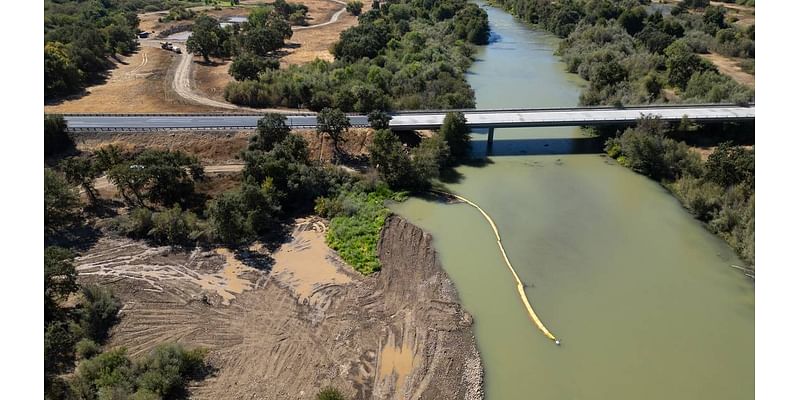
x,y
641,295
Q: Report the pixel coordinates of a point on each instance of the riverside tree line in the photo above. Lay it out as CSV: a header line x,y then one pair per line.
x,y
401,55
633,55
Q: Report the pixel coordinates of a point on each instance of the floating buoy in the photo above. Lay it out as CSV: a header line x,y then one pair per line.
x,y
520,286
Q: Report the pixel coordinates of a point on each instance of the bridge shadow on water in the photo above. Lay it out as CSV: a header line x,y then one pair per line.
x,y
535,147
523,147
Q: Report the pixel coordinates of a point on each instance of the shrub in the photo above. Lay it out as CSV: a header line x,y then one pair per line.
x,y
98,312
354,7
86,349
136,224
700,196
247,66
330,393
163,373
712,87
354,233
175,226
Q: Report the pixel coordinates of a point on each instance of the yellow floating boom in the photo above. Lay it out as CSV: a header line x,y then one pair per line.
x,y
520,287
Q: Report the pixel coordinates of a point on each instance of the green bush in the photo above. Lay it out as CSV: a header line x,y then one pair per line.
x,y
176,226
163,373
354,7
98,312
355,228
649,152
330,393
86,348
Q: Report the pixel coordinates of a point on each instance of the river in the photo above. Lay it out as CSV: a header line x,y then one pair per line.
x,y
641,296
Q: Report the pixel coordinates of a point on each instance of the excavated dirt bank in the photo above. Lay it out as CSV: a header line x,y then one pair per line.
x,y
282,325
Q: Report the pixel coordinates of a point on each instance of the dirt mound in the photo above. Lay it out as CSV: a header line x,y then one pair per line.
x,y
283,327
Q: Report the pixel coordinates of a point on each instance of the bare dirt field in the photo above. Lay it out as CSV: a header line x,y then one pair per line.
x,y
730,66
211,79
283,324
139,84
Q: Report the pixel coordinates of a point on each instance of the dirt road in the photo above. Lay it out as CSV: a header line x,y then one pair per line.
x,y
730,66
282,325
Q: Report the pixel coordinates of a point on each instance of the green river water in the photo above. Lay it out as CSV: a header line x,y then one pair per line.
x,y
640,294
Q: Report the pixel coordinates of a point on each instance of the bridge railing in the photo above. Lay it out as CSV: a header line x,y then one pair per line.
x,y
405,112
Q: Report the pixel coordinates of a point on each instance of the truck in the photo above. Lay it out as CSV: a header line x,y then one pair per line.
x,y
169,46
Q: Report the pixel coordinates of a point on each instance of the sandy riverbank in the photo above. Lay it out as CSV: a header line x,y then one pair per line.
x,y
298,315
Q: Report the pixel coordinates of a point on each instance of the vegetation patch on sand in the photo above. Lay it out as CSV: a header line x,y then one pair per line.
x,y
357,218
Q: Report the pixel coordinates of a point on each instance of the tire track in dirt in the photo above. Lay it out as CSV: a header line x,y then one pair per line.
x,y
269,335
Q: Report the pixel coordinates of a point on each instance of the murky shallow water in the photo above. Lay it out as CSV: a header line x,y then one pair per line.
x,y
641,295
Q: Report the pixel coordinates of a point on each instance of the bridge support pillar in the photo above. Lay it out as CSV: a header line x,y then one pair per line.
x,y
489,141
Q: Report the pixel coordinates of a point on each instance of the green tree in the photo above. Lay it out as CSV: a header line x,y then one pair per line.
x,y
354,7
82,171
456,133
471,23
56,138
60,279
271,130
334,123
61,202
632,19
429,157
240,215
729,165
59,345
108,157
207,37
61,75
681,63
390,159
379,119
228,220
247,66
163,177
264,32
715,17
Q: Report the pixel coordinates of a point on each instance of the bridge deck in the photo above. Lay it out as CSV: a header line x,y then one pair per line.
x,y
427,120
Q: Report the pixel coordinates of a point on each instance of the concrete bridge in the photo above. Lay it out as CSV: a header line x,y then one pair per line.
x,y
410,120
